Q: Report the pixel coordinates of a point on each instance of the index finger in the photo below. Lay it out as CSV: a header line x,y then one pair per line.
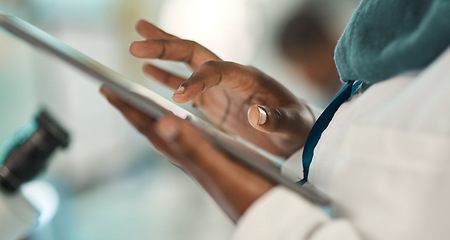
x,y
150,31
162,45
174,49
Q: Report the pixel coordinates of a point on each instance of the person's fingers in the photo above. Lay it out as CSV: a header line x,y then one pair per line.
x,y
171,80
142,122
173,49
139,120
210,74
188,143
274,119
150,31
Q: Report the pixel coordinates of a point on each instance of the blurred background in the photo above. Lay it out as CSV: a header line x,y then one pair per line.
x,y
111,183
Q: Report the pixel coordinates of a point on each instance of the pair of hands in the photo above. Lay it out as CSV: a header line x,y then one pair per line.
x,y
241,99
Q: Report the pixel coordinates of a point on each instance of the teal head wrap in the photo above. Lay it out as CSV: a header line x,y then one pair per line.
x,y
385,38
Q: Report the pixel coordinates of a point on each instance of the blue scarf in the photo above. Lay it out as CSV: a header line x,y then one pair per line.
x,y
385,38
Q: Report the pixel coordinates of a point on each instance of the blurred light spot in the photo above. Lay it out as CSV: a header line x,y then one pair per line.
x,y
229,28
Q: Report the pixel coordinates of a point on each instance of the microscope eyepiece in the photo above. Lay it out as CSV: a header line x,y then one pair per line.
x,y
25,155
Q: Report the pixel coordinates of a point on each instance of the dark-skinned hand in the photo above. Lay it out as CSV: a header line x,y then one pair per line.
x,y
241,99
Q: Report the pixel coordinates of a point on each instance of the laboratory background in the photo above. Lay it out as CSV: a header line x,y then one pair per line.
x,y
110,183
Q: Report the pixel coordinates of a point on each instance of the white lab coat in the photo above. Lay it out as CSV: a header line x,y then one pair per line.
x,y
384,161
17,216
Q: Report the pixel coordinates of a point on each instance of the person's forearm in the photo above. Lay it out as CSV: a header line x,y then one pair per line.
x,y
231,185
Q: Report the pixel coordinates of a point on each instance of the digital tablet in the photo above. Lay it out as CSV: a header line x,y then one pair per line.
x,y
156,106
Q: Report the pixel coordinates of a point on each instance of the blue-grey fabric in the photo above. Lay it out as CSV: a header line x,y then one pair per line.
x,y
385,38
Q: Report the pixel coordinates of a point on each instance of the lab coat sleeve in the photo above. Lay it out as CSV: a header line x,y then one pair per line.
x,y
17,216
283,215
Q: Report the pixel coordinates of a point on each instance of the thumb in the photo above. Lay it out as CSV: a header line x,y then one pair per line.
x,y
274,119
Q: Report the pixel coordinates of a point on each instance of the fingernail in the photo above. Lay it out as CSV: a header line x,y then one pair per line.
x,y
262,115
132,47
180,90
168,131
